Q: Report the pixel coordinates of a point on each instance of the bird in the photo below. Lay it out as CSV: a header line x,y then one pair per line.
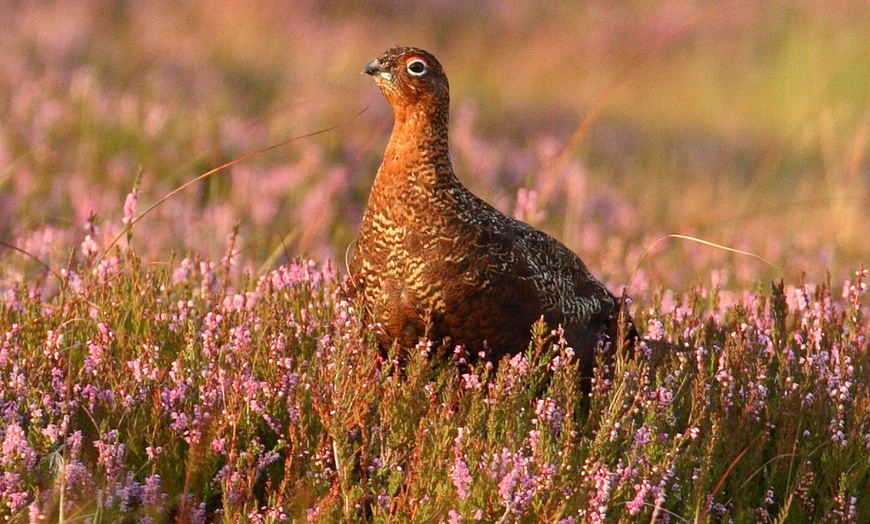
x,y
435,262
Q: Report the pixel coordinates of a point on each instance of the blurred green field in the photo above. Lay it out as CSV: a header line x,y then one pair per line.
x,y
744,123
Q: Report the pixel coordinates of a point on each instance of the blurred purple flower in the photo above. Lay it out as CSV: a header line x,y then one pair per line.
x,y
131,205
655,330
526,208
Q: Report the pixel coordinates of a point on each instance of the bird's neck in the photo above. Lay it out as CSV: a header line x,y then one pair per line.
x,y
417,154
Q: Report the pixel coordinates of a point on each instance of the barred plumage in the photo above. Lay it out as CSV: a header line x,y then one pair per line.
x,y
432,259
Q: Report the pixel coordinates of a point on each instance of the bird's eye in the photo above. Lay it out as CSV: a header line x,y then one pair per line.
x,y
417,67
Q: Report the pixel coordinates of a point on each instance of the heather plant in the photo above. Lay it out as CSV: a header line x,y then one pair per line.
x,y
650,119
187,366
196,392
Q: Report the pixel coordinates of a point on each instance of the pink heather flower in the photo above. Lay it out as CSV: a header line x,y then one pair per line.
x,y
89,247
655,330
219,445
53,340
95,356
131,206
642,436
52,432
614,431
241,337
16,449
35,514
106,268
461,477
470,381
151,490
265,460
636,504
455,518
111,453
507,484
196,515
459,471
664,397
12,491
526,208
78,478
183,271
73,441
519,363
549,412
518,484
602,479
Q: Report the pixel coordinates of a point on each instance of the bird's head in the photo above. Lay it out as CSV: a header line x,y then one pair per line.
x,y
410,79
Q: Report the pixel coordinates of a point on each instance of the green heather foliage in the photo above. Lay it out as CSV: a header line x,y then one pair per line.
x,y
185,393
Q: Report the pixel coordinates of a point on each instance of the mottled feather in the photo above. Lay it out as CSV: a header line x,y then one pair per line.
x,y
432,259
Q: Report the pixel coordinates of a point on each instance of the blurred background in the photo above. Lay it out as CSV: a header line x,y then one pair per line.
x,y
607,124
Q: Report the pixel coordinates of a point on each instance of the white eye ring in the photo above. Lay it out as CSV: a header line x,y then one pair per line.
x,y
417,67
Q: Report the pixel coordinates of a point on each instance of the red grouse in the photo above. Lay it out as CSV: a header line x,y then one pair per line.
x,y
433,260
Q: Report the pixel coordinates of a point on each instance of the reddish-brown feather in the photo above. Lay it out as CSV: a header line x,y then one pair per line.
x,y
432,259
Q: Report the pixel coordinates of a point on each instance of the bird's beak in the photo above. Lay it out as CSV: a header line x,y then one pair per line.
x,y
374,68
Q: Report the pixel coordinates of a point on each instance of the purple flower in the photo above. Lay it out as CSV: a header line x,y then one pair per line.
x,y
551,413
15,448
89,247
642,436
151,490
526,208
13,491
131,205
636,504
461,477
459,471
79,480
602,480
518,483
470,381
111,453
655,329
35,514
